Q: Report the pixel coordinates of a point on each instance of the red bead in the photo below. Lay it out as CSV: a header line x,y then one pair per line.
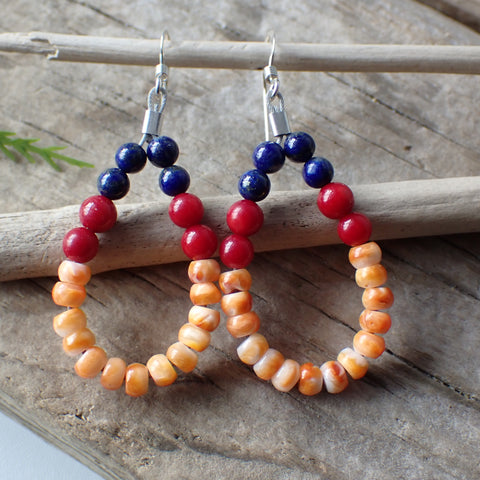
x,y
98,213
80,245
185,210
199,242
354,229
335,200
245,217
236,251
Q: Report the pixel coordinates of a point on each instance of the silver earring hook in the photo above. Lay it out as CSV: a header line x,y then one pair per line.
x,y
161,56
271,38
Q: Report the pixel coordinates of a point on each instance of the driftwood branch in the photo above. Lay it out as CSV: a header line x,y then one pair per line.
x,y
463,59
144,235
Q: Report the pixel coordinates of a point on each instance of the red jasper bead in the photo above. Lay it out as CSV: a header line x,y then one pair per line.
x,y
80,245
354,229
245,217
199,242
185,210
335,200
98,213
236,251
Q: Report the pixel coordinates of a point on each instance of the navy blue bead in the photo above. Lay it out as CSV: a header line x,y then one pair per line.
x,y
162,151
254,185
174,180
299,147
113,183
131,158
268,157
317,172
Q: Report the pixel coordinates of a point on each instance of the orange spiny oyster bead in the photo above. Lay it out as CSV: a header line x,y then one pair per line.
x,y
182,357
136,380
371,276
243,325
334,377
287,376
161,370
236,303
68,294
252,349
91,363
368,344
113,373
205,294
268,364
353,362
377,298
201,271
73,272
204,317
374,321
194,337
365,255
68,321
311,379
78,341
238,280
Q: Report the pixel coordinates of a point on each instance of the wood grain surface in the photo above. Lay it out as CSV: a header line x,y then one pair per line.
x,y
415,415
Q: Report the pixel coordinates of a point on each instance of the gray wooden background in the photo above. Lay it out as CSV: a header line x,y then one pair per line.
x,y
416,414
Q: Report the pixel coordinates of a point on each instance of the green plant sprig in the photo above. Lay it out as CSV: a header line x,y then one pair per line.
x,y
25,147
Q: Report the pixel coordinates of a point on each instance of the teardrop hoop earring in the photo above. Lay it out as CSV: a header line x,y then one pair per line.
x,y
98,214
335,201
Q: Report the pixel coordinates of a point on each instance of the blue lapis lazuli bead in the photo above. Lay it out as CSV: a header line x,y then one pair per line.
x,y
254,185
317,172
131,158
268,157
113,183
299,147
162,151
174,180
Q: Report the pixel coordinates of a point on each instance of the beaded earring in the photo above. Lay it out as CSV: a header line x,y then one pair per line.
x,y
335,201
98,214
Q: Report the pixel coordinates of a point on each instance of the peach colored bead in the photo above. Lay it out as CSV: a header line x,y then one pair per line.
x,y
205,294
243,325
161,370
136,380
377,298
201,271
252,349
368,344
311,379
90,364
334,377
194,337
204,317
372,276
182,357
70,320
287,376
68,294
365,255
374,321
236,303
78,341
73,272
235,281
113,374
355,364
268,365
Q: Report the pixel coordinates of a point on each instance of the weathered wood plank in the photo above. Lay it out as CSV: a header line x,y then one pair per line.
x,y
416,414
467,12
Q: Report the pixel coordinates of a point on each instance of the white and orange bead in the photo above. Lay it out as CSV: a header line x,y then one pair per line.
x,y
368,344
182,357
69,321
252,349
113,374
205,294
136,380
73,272
204,317
91,363
287,376
236,303
374,321
78,341
268,364
353,362
243,325
365,255
334,377
238,280
371,276
68,294
202,271
194,337
161,370
311,379
377,298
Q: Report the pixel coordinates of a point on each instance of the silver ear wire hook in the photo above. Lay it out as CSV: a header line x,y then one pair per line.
x,y
157,97
275,115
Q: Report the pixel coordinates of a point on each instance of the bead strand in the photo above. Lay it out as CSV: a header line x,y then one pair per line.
x,y
335,201
98,214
